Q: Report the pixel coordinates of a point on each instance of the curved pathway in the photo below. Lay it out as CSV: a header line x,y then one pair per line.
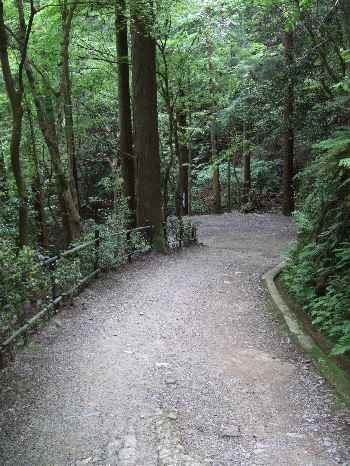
x,y
174,361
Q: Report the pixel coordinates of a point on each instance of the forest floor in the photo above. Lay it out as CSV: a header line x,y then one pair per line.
x,y
175,361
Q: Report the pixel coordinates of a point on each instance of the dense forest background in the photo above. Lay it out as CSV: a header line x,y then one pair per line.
x,y
120,113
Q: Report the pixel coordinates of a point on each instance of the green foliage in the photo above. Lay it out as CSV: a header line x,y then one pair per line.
x,y
23,282
338,145
113,244
266,176
112,250
329,312
318,274
67,274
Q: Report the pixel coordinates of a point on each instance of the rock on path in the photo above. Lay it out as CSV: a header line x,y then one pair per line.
x,y
174,361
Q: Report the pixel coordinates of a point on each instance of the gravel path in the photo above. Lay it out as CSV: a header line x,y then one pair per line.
x,y
174,361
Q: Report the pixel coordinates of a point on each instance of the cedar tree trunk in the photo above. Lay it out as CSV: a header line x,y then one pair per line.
x,y
288,165
125,123
183,161
149,202
212,88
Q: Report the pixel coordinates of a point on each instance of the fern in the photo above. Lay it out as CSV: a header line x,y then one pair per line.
x,y
318,273
345,163
337,146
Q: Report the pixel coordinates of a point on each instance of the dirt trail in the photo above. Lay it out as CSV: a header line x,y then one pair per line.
x,y
175,361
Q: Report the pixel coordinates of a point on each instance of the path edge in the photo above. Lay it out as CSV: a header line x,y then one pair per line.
x,y
325,364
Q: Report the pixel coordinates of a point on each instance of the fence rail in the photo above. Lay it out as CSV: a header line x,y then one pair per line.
x,y
52,262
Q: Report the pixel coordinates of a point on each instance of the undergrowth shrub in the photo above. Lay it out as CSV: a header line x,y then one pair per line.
x,y
318,274
266,176
23,282
67,274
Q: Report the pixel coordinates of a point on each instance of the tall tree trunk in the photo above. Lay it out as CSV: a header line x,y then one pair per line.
x,y
2,173
15,95
149,202
3,182
229,190
172,137
247,177
216,172
172,157
15,149
345,9
183,161
37,187
69,211
125,123
189,151
288,166
70,214
178,200
67,13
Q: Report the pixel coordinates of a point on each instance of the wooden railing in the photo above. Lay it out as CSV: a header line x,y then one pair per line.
x,y
51,264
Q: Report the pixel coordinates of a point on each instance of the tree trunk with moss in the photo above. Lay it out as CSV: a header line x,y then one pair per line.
x,y
37,188
67,12
47,123
15,93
